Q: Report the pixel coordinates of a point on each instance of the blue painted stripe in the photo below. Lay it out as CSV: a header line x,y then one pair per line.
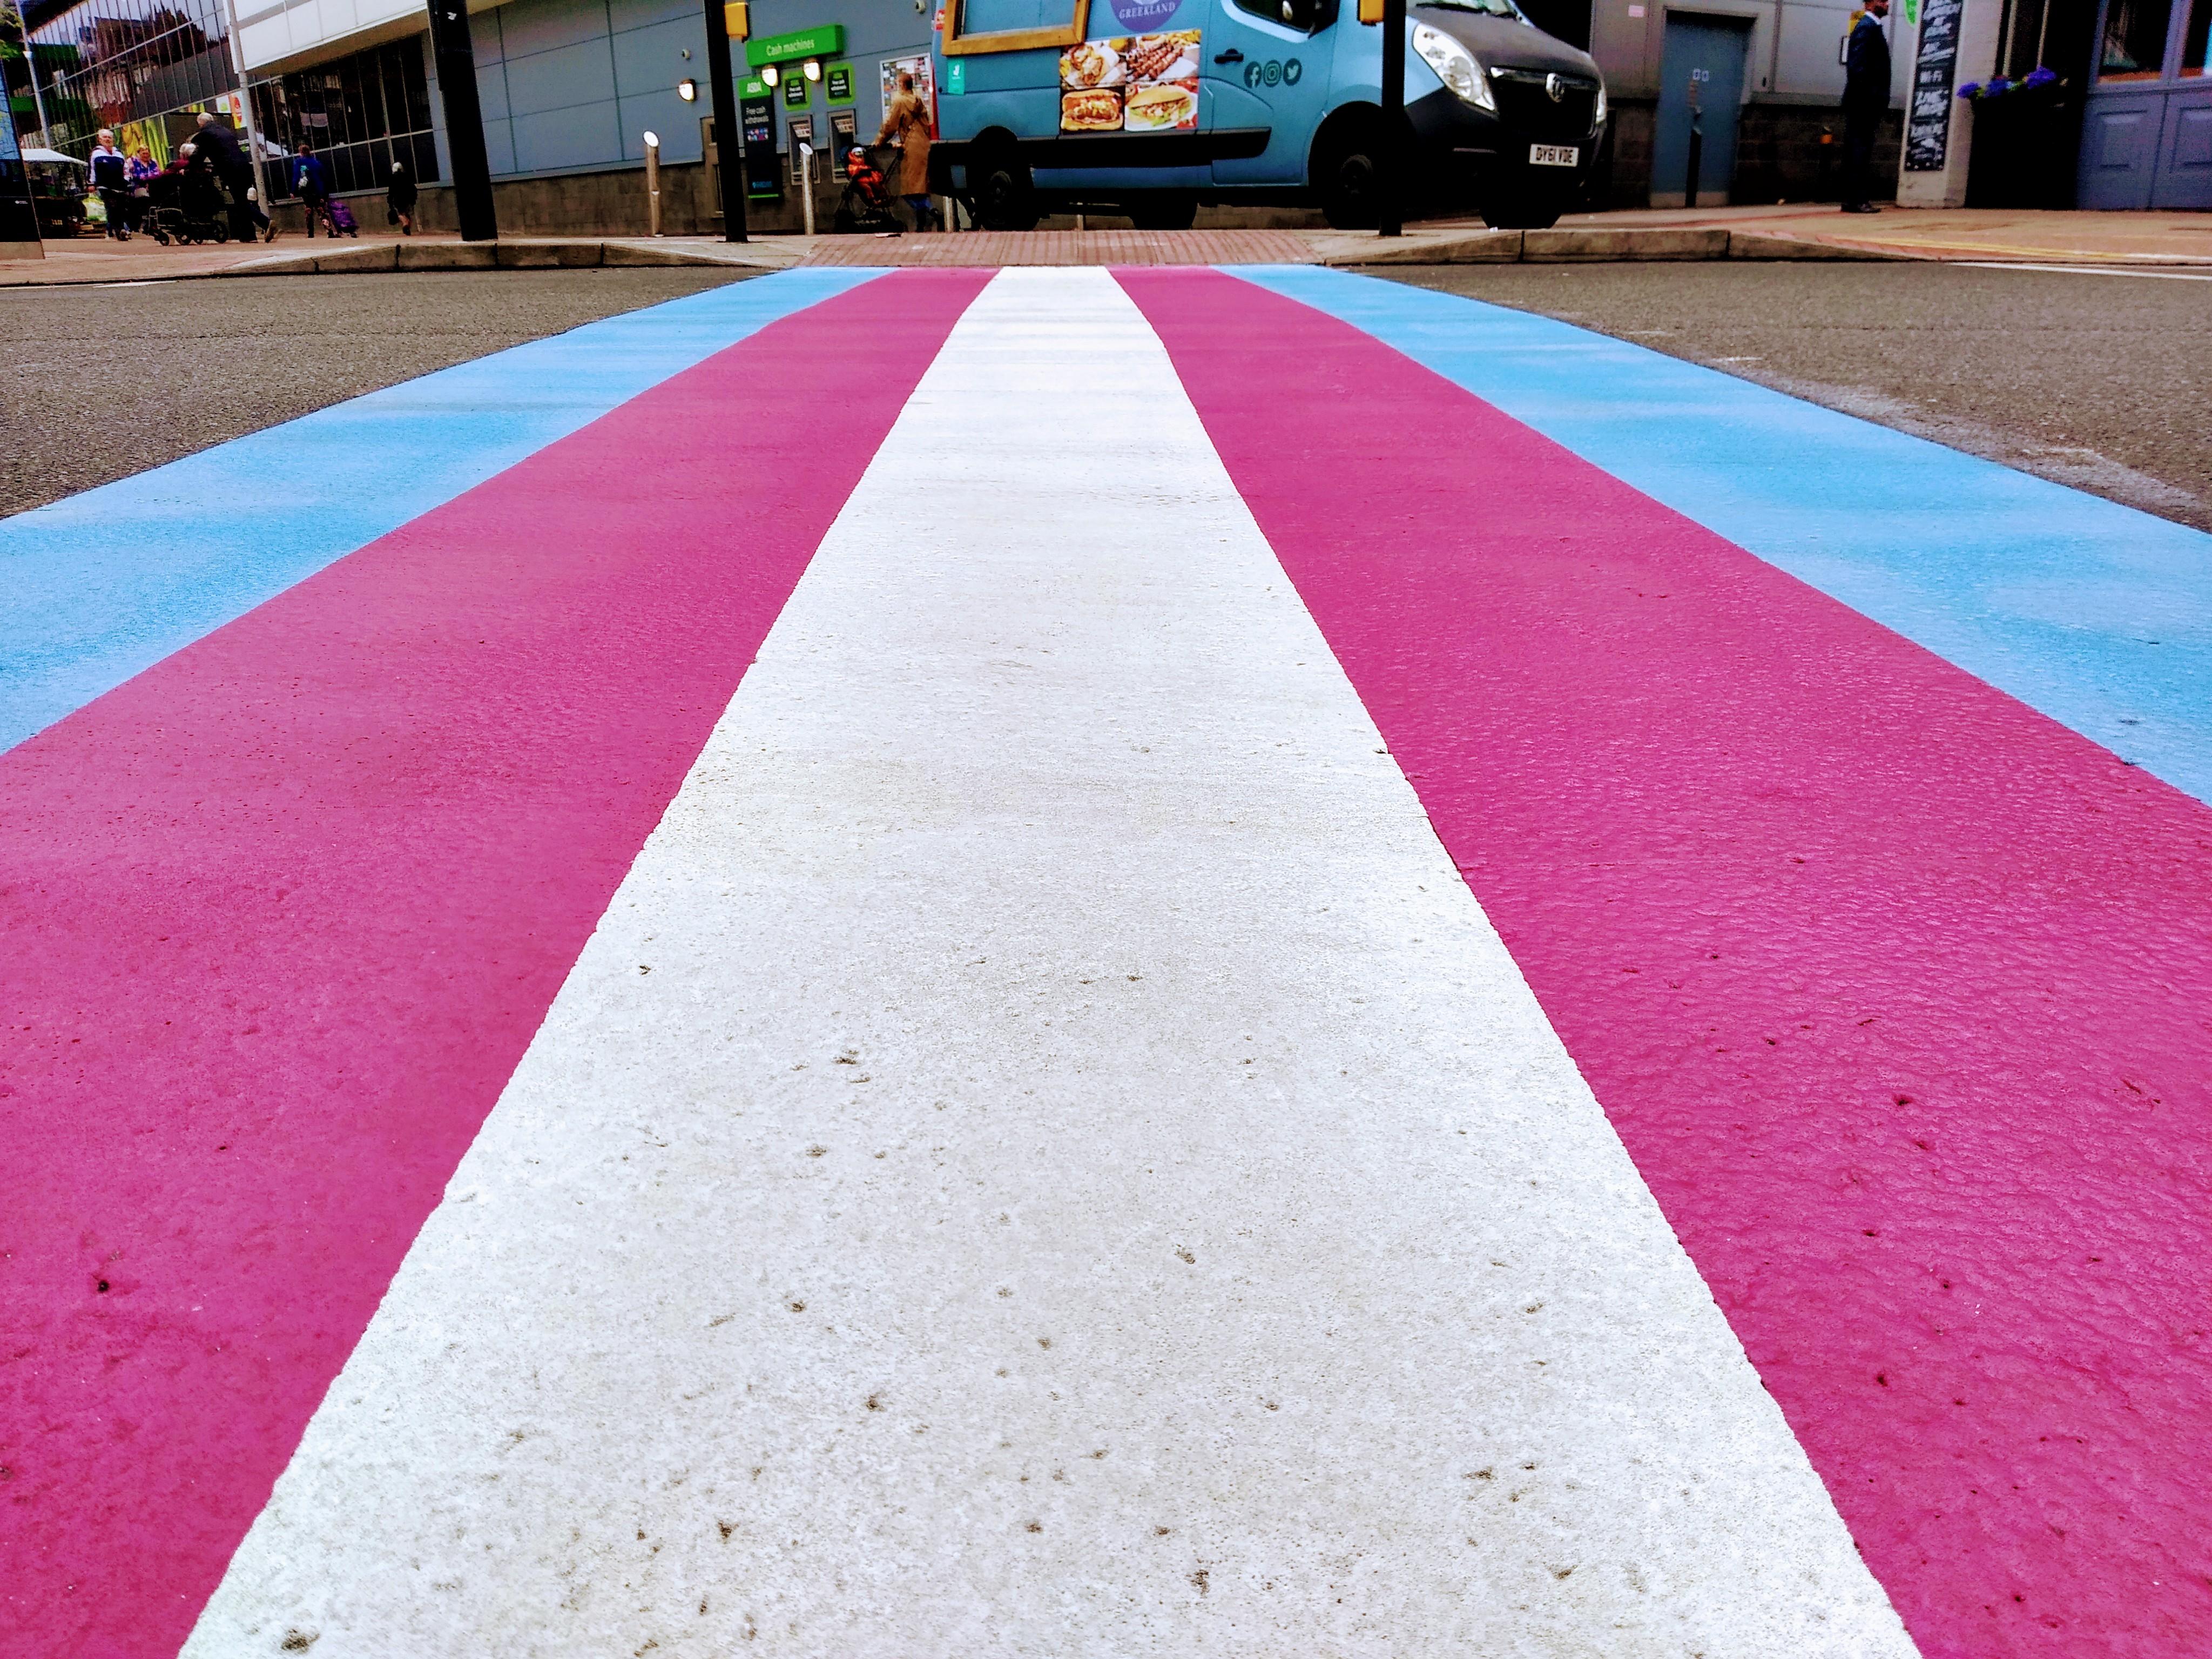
x,y
104,584
2096,614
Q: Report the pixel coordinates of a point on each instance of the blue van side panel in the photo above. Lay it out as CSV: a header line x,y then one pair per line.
x,y
995,16
1030,113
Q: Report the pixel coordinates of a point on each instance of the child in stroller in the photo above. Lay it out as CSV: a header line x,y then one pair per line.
x,y
865,205
185,205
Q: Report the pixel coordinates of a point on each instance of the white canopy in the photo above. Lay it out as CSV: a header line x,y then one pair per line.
x,y
51,156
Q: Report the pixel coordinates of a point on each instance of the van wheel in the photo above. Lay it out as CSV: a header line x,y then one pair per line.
x,y
1165,212
1004,199
1347,176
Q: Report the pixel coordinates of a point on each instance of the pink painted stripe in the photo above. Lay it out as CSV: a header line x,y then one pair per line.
x,y
282,912
1900,993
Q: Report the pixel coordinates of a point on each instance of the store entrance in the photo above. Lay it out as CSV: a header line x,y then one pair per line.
x,y
2146,134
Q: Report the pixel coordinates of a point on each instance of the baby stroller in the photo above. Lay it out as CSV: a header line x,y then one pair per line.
x,y
186,206
340,217
865,206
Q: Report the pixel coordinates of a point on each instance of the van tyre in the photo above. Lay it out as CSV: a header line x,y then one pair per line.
x,y
1004,199
1347,175
1165,213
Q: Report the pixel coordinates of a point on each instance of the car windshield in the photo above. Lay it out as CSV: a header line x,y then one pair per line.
x,y
1487,8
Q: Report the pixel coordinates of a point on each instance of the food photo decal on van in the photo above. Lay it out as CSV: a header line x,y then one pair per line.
x,y
1134,84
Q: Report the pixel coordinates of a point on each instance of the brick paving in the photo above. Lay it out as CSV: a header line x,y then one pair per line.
x,y
1072,247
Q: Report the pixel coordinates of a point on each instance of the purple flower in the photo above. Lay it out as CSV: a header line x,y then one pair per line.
x,y
2039,76
1971,89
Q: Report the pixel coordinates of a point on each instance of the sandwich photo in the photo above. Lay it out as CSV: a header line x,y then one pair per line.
x,y
1093,64
1098,109
1157,109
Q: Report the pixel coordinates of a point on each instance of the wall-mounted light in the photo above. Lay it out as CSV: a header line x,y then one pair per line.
x,y
687,90
771,74
811,69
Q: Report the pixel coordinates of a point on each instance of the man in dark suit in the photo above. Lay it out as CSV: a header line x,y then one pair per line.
x,y
1866,101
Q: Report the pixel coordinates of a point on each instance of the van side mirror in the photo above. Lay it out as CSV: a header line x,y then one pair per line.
x,y
1310,17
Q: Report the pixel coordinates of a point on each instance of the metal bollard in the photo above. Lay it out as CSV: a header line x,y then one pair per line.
x,y
806,183
652,180
1697,143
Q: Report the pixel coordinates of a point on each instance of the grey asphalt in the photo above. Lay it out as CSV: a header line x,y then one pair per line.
x,y
102,382
2096,381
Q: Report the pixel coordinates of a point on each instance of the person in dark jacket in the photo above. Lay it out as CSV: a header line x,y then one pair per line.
x,y
1866,101
311,183
218,144
399,198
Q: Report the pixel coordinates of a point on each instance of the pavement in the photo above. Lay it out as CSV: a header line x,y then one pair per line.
x,y
1806,231
1101,1004
2034,234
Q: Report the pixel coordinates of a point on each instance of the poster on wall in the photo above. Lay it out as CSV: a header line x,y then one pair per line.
x,y
1928,117
1130,84
924,83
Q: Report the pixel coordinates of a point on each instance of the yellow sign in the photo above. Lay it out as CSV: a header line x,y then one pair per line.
x,y
1370,11
737,20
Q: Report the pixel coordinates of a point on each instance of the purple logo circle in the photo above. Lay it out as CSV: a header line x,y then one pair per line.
x,y
1143,14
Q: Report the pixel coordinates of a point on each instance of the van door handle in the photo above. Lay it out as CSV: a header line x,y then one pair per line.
x,y
1231,56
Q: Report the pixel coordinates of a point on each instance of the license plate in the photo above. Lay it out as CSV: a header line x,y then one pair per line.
x,y
1553,156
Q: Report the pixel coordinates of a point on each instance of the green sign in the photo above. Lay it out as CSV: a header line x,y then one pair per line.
x,y
837,83
753,87
956,76
827,41
795,92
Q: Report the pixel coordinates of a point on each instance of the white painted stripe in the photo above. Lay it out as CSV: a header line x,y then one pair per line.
x,y
1043,1155
2088,271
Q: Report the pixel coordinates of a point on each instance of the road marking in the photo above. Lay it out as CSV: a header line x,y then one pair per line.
x,y
1895,989
2096,614
104,584
2091,271
284,911
1044,1152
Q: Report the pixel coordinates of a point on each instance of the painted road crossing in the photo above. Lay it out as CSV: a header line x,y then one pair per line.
x,y
1004,1124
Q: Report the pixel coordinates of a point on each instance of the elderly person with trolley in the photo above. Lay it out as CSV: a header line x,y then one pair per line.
x,y
907,126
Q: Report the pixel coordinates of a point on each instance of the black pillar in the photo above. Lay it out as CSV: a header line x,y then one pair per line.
x,y
456,59
1394,158
729,127
19,214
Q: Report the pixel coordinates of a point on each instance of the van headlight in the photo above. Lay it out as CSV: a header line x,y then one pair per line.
x,y
1455,66
1597,116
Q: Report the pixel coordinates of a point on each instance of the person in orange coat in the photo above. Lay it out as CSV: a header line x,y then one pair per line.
x,y
907,126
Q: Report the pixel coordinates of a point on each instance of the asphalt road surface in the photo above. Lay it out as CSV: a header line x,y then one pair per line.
x,y
2089,380
110,381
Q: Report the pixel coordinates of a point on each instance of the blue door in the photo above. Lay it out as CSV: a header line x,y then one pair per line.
x,y
1701,78
2147,132
1266,64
